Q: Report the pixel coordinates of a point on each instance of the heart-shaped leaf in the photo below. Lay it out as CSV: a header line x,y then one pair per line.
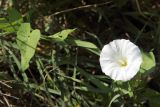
x,y
27,43
148,61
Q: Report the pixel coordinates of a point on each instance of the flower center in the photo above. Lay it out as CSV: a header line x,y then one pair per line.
x,y
123,62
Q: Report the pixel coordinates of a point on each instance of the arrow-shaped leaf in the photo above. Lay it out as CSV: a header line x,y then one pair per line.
x,y
61,36
27,43
148,61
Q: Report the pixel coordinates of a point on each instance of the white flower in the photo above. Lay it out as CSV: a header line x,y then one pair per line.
x,y
120,59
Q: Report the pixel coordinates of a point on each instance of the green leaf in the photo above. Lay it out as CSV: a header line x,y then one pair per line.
x,y
101,85
13,56
13,14
22,36
12,21
95,51
90,89
113,99
35,86
27,43
85,44
61,36
86,86
152,96
148,61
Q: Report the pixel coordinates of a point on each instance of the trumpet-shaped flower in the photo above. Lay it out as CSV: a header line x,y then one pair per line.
x,y
120,59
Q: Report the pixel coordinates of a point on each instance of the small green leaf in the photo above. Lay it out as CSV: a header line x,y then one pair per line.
x,y
27,43
148,61
84,44
12,21
61,36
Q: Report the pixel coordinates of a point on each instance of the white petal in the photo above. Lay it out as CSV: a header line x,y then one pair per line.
x,y
133,68
108,67
119,75
117,49
107,53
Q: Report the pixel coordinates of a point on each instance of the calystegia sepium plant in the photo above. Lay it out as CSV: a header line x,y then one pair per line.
x,y
125,64
66,53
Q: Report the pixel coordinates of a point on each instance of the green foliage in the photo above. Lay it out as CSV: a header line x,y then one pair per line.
x,y
152,96
85,44
27,42
113,99
42,68
12,21
148,61
61,36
